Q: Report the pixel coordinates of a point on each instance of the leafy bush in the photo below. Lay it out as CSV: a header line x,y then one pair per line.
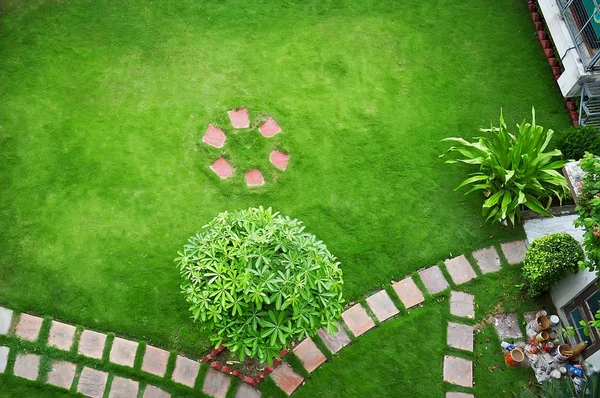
x,y
576,141
588,210
513,170
548,259
257,281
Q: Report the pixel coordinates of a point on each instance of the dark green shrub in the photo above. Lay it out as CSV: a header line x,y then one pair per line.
x,y
548,259
588,211
257,281
576,141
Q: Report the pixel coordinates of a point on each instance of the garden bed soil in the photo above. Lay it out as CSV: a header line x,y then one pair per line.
x,y
248,367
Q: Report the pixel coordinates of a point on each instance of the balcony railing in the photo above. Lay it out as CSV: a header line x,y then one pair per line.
x,y
583,20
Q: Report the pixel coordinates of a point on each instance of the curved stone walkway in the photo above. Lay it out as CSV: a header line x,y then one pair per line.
x,y
357,320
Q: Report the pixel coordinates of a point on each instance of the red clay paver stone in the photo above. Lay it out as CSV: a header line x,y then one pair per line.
x,y
62,374
336,342
239,118
459,395
488,260
433,279
245,391
460,270
61,335
462,304
222,168
214,136
29,327
123,352
514,251
382,305
155,392
309,354
269,128
507,326
460,336
5,320
216,384
408,292
286,379
155,361
186,371
458,371
279,159
4,351
254,178
123,388
92,382
91,344
27,366
357,320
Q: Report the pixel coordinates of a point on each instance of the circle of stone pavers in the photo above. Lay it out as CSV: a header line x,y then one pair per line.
x,y
240,119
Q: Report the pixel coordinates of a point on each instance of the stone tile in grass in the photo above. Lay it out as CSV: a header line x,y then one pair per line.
x,y
279,159
155,361
29,327
357,320
309,354
458,371
269,128
459,395
507,326
5,320
286,379
254,178
514,252
487,259
336,342
214,136
123,352
239,118
185,371
245,391
91,344
92,382
460,336
62,374
123,388
216,384
408,292
61,335
222,168
4,351
382,305
433,279
462,304
155,392
27,366
460,270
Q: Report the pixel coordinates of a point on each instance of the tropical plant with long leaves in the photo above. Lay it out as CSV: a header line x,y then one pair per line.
x,y
256,281
514,170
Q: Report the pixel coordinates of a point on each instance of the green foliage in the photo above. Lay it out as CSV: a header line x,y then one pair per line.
x,y
548,259
563,388
588,210
513,170
257,281
576,141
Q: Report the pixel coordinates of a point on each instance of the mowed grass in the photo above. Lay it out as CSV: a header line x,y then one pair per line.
x,y
103,104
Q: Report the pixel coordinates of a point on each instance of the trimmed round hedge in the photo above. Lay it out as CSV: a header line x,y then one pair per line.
x,y
548,259
257,281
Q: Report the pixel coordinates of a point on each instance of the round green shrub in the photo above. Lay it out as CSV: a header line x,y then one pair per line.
x,y
576,141
548,259
257,281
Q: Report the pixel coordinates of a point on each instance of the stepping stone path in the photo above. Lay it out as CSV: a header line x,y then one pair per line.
x,y
488,260
155,361
222,168
254,178
4,351
459,395
310,356
155,392
62,374
5,320
336,342
123,388
92,382
286,379
433,279
27,366
214,136
460,336
507,326
382,306
408,292
245,391
462,304
239,118
216,384
186,371
91,344
279,159
61,335
29,327
460,270
514,252
459,371
123,352
357,320
269,128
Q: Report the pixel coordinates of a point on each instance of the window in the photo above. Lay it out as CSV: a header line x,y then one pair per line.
x,y
584,308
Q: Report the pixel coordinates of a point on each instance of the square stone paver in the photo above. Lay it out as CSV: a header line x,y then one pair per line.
x,y
155,361
92,382
460,270
62,374
245,391
239,118
279,159
459,395
382,305
507,326
460,336
254,178
214,136
269,128
488,260
357,320
216,384
458,371
91,344
5,320
155,392
286,379
408,292
222,168
27,366
61,335
29,327
514,251
308,353
186,371
123,352
4,351
462,304
336,342
433,279
123,388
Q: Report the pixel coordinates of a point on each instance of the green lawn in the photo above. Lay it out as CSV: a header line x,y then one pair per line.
x,y
103,105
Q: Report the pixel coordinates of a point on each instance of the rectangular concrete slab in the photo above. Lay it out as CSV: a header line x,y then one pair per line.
x,y
123,388
155,361
460,270
286,379
5,320
61,335
245,391
460,336
336,342
514,252
91,344
433,279
408,292
357,320
487,259
507,326
155,392
4,351
309,354
123,352
462,304
382,305
29,327
27,366
62,374
458,371
92,383
185,371
216,384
